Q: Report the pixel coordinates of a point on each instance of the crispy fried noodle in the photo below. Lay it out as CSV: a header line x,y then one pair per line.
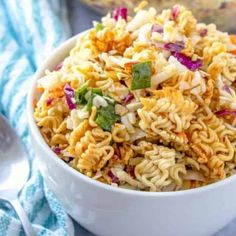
x,y
145,102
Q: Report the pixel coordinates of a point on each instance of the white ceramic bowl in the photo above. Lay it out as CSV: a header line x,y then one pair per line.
x,y
110,211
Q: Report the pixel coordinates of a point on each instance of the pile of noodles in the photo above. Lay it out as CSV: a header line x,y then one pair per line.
x,y
145,102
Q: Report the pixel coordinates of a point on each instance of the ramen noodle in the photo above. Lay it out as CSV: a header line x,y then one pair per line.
x,y
145,103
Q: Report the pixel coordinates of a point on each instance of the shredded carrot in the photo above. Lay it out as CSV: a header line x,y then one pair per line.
x,y
74,84
56,92
40,89
34,103
233,38
182,135
233,52
233,41
131,63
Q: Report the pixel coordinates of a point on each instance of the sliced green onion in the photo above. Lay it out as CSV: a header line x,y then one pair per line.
x,y
109,99
96,91
99,26
141,75
93,93
106,117
89,104
80,95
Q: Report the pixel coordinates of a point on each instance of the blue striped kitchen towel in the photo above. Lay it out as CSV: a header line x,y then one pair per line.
x,y
29,30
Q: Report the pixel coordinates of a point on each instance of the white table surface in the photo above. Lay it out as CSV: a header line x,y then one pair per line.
x,y
81,19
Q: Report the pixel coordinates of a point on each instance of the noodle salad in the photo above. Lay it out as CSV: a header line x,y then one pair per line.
x,y
145,102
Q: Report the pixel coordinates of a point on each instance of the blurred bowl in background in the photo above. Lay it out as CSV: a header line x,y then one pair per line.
x,y
220,12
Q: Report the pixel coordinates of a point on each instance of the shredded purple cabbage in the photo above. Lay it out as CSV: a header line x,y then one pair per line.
x,y
114,179
57,150
128,98
58,66
49,101
225,112
203,32
157,28
69,93
226,88
120,12
159,45
175,12
187,61
174,47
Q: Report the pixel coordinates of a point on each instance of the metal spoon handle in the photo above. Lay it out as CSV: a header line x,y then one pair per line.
x,y
27,226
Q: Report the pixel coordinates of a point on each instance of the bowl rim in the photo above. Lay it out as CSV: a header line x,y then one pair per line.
x,y
39,138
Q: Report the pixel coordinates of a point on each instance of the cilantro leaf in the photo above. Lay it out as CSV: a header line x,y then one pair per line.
x,y
141,75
